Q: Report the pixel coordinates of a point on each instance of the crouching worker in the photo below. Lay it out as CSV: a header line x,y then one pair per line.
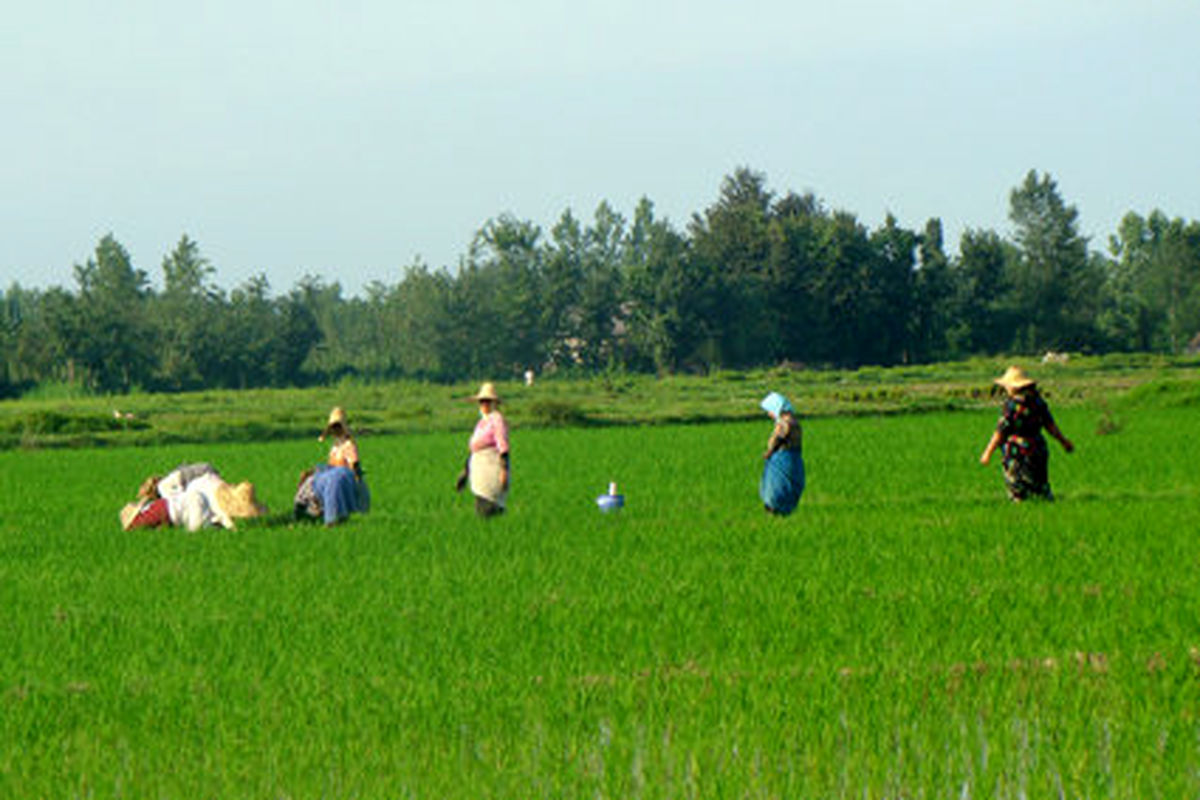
x,y
175,481
207,501
344,453
329,493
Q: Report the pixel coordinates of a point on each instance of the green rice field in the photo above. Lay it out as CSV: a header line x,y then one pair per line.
x,y
906,633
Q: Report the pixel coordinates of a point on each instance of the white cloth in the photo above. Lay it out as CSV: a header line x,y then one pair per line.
x,y
177,480
196,506
485,476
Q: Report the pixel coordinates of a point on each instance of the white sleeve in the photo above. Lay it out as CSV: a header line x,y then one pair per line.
x,y
171,485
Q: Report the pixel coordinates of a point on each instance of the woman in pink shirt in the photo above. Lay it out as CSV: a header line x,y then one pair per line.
x,y
487,465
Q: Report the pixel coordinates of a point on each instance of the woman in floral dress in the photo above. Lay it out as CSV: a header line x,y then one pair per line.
x,y
1019,432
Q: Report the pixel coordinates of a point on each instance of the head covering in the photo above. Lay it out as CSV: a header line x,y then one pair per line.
x,y
149,488
127,515
1014,379
336,417
487,392
238,501
775,404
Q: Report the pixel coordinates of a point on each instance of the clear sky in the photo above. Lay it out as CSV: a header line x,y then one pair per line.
x,y
349,138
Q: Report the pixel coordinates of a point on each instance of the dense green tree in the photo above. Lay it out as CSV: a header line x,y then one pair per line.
x,y
296,332
600,293
186,315
981,311
562,289
795,233
1154,283
246,335
112,344
887,306
667,300
730,242
10,329
1053,282
426,338
841,302
933,288
755,280
505,279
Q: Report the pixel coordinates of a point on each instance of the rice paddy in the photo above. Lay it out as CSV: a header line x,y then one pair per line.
x,y
906,633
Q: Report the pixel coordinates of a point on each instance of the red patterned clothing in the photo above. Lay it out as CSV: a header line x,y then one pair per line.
x,y
151,515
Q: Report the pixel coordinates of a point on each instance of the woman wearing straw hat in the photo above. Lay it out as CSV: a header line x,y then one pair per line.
x,y
1019,431
343,454
488,462
782,481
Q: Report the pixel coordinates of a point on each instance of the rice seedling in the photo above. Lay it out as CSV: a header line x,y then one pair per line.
x,y
907,632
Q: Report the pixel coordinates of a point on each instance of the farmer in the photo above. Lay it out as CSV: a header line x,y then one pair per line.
x,y
782,480
326,492
1019,430
487,462
207,501
175,481
344,453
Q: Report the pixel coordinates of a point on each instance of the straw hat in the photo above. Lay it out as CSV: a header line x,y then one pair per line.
x,y
486,392
1014,379
128,514
336,417
149,488
238,502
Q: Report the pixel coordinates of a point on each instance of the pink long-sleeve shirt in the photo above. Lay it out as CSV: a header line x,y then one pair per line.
x,y
490,431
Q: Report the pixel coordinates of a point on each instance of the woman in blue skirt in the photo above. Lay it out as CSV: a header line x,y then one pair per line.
x,y
783,473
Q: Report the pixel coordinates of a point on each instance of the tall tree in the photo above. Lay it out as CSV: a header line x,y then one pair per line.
x,y
1053,280
426,338
563,276
888,296
185,319
933,289
113,344
1155,282
842,304
730,241
795,233
600,294
669,301
508,250
981,307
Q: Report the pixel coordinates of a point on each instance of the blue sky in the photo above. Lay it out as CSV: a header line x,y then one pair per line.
x,y
348,139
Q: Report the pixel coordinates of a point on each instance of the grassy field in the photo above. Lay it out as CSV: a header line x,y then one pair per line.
x,y
58,416
907,633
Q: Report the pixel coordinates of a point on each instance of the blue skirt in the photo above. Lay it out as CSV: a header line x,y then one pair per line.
x,y
339,493
782,481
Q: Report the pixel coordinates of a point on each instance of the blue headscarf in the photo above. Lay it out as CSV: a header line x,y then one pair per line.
x,y
775,404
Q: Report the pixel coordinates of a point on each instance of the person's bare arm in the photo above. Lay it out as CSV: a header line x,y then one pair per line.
x,y
992,444
1066,443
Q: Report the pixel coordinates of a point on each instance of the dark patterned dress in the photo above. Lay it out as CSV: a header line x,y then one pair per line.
x,y
1026,454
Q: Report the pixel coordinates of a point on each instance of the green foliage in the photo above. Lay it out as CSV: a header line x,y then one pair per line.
x,y
614,397
755,279
556,413
907,633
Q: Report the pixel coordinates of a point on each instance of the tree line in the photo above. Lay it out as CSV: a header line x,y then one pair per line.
x,y
755,279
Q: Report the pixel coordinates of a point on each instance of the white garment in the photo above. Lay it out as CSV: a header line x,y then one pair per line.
x,y
196,506
177,480
484,469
